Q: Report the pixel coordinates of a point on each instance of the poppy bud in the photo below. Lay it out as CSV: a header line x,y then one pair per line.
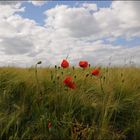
x,y
75,76
55,66
58,77
58,67
62,73
87,75
89,65
39,62
73,67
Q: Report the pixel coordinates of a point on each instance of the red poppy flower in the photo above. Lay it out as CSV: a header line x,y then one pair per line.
x,y
68,79
71,85
49,125
83,64
95,72
65,63
68,82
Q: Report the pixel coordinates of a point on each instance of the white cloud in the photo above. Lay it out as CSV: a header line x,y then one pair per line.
x,y
18,37
7,10
76,22
121,19
8,2
69,30
91,7
38,3
16,45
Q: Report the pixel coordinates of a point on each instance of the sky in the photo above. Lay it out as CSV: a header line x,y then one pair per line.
x,y
100,32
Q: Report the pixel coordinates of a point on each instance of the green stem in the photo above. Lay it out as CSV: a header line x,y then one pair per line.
x,y
37,81
101,86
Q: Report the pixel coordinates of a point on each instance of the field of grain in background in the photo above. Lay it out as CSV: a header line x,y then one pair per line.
x,y
39,106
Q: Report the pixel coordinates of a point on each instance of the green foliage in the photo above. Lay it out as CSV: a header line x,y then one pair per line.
x,y
100,108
